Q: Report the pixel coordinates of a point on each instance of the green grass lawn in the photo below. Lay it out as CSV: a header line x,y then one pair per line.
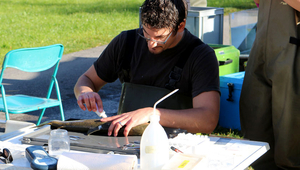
x,y
77,24
232,5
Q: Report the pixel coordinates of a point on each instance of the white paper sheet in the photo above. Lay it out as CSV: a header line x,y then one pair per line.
x,y
91,161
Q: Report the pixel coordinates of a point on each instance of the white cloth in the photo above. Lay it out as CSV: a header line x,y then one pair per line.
x,y
91,161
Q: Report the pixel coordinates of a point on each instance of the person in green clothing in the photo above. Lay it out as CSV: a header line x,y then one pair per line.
x,y
270,96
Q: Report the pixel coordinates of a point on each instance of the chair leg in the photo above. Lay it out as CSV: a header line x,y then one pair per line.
x,y
59,99
62,112
40,118
7,115
43,111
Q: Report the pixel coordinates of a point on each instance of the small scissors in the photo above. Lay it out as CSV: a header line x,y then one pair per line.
x,y
6,156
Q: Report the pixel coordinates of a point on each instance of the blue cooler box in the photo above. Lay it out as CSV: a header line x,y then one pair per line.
x,y
230,86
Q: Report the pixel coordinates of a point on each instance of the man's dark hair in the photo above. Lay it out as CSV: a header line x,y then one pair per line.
x,y
163,13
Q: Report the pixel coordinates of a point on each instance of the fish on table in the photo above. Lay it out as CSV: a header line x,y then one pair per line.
x,y
90,126
96,126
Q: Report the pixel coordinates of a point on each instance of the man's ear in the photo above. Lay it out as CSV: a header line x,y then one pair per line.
x,y
181,26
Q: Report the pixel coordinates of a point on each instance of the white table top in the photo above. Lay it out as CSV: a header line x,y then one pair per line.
x,y
223,153
215,153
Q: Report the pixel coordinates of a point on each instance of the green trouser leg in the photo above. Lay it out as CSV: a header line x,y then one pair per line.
x,y
270,97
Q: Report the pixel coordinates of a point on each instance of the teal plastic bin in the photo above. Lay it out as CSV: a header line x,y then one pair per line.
x,y
230,86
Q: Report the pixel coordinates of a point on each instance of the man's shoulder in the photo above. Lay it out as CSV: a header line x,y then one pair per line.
x,y
127,36
124,34
129,32
119,42
201,51
192,39
200,46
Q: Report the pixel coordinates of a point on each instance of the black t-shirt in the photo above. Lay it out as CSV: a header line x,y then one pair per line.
x,y
199,74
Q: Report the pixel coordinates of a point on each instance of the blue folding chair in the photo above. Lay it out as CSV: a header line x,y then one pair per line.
x,y
32,60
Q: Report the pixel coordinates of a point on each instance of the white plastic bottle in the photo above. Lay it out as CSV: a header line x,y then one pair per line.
x,y
154,149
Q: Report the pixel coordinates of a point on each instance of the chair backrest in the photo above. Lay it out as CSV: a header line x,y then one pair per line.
x,y
34,59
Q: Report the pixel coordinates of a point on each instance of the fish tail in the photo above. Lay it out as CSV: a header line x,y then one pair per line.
x,y
49,122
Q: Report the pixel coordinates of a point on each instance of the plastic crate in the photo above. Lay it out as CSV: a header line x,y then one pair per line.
x,y
206,23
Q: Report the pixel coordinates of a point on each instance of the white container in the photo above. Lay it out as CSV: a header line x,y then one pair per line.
x,y
58,142
154,153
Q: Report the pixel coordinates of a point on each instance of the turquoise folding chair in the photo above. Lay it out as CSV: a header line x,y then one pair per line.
x,y
32,60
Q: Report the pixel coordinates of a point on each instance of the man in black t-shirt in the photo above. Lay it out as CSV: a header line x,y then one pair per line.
x,y
159,44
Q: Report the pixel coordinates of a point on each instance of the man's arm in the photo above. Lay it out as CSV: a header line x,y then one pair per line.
x,y
203,117
86,90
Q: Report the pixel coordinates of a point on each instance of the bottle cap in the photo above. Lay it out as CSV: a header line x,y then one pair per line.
x,y
154,117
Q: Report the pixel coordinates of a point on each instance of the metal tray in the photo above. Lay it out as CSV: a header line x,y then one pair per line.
x,y
91,143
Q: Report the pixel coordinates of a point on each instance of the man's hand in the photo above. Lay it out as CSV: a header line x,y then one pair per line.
x,y
86,89
89,100
130,119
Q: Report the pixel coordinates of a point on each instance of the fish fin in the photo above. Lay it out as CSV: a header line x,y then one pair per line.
x,y
45,123
93,130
